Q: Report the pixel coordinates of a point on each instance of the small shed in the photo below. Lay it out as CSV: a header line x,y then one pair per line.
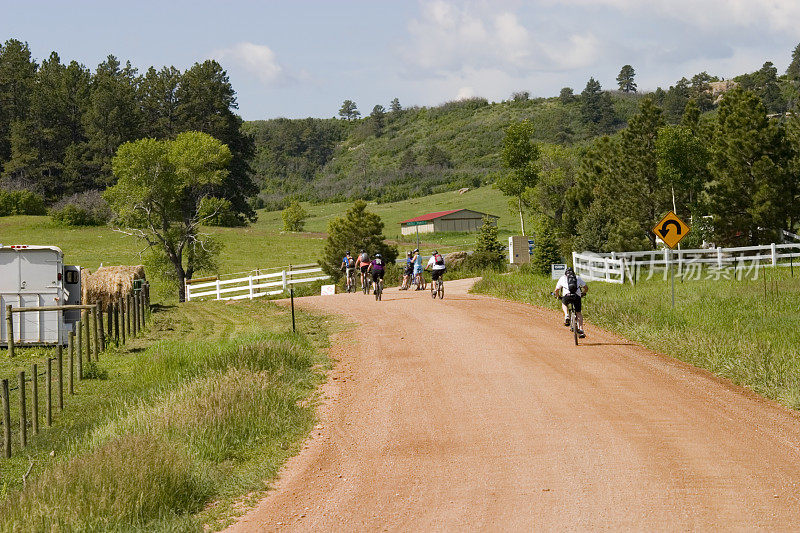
x,y
463,220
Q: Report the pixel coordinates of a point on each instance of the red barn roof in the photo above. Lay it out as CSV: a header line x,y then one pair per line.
x,y
431,216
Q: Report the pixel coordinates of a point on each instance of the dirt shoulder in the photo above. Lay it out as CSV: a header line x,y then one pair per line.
x,y
474,413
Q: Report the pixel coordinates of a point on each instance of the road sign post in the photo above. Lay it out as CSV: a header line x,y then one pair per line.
x,y
671,230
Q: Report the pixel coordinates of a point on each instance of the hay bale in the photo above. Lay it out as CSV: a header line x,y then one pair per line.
x,y
110,283
85,275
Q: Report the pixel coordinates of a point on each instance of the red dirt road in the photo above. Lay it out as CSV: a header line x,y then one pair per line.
x,y
474,413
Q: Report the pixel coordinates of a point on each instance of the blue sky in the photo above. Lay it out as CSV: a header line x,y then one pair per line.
x,y
303,58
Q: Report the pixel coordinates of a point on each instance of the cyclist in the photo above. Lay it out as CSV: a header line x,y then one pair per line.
x,y
571,288
362,262
407,272
417,272
437,266
377,269
349,268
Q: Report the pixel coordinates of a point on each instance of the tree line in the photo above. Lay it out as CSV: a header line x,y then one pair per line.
x,y
61,123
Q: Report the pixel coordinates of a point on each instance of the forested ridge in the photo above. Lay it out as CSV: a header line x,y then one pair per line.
x,y
606,164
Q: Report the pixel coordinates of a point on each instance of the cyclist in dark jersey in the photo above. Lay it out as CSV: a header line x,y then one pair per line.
x,y
377,269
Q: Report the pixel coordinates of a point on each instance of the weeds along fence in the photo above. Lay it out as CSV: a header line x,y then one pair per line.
x,y
257,283
728,263
97,329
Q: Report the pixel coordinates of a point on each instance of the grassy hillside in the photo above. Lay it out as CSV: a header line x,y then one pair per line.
x,y
412,153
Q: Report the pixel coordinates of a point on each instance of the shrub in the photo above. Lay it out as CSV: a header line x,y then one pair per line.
x,y
219,212
21,203
81,209
294,217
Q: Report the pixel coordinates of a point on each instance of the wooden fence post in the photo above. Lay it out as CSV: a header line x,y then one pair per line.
x,y
49,388
110,324
87,341
71,350
10,331
141,310
79,349
115,310
95,332
101,327
6,419
128,315
121,307
137,325
23,422
35,398
60,363
147,298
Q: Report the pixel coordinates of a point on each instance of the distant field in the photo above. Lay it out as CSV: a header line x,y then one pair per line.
x,y
260,245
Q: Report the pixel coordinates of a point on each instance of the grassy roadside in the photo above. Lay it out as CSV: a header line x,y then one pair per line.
x,y
729,327
202,410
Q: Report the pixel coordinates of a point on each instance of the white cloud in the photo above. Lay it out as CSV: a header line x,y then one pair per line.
x,y
777,15
464,93
256,59
449,37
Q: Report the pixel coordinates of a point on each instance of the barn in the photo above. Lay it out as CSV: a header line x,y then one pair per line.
x,y
463,220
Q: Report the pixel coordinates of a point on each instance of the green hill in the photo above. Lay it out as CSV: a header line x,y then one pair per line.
x,y
409,153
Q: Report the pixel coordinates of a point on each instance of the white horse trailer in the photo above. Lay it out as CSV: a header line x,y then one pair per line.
x,y
34,276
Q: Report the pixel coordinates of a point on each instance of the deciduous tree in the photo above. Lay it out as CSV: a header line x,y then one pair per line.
x,y
158,194
520,156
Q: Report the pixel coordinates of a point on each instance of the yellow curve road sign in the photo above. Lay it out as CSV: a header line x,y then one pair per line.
x,y
671,230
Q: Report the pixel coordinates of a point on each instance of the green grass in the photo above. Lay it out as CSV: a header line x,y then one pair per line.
x,y
728,327
202,409
262,244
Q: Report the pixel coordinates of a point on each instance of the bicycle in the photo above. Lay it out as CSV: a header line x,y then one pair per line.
x,y
350,283
573,318
437,288
366,283
379,289
419,282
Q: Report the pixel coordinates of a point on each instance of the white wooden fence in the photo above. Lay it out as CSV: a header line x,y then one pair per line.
x,y
618,267
257,283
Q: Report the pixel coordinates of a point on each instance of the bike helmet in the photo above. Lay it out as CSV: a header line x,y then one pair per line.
x,y
416,250
378,255
408,252
568,269
347,252
435,252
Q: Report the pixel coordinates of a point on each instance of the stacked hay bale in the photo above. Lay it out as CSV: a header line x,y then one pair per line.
x,y
110,283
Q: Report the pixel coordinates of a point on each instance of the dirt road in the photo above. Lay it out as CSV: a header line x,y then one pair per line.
x,y
473,413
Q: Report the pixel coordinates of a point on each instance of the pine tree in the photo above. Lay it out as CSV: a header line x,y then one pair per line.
x,y
395,106
357,230
489,252
545,251
349,111
597,109
749,158
625,79
793,71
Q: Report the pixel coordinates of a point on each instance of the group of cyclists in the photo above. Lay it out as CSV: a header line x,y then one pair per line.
x,y
376,267
570,288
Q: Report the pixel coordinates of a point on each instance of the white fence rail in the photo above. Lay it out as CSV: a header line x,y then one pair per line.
x,y
255,284
618,267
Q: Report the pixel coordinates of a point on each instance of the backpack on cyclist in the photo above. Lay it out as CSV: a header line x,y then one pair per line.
x,y
351,263
364,257
438,259
572,282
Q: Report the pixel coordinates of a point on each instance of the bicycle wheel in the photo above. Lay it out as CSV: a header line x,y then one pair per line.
x,y
441,289
573,320
433,289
